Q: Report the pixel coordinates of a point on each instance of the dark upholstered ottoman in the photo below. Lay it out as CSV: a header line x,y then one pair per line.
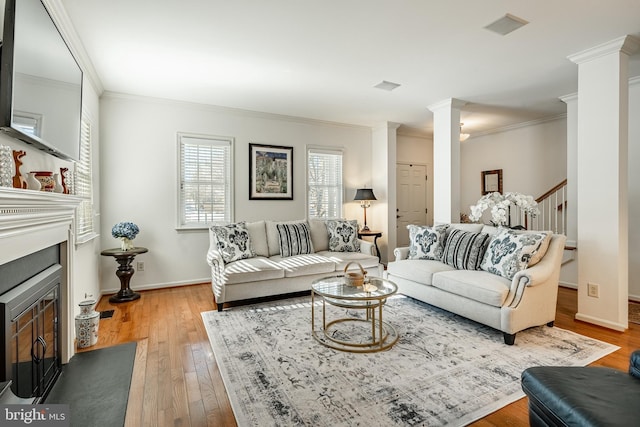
x,y
583,396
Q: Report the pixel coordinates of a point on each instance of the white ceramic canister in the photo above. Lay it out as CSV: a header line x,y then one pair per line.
x,y
87,323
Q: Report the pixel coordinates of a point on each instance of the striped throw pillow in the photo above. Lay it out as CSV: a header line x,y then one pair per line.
x,y
295,239
465,250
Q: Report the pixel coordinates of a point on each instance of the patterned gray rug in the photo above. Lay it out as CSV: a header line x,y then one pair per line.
x,y
444,370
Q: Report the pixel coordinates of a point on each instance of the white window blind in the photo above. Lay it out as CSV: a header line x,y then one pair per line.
x,y
83,185
205,188
324,183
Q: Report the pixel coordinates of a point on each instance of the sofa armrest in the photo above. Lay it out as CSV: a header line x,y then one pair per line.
x,y
367,247
401,253
214,259
634,364
544,272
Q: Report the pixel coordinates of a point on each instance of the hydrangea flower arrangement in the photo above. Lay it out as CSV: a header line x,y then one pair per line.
x,y
126,232
499,205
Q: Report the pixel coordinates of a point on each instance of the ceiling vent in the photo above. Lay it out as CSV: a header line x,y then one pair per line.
x,y
506,24
388,86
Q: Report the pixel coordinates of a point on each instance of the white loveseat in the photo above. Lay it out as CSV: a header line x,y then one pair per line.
x,y
269,273
509,305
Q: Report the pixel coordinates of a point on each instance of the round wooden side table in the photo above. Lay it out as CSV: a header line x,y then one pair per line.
x,y
124,272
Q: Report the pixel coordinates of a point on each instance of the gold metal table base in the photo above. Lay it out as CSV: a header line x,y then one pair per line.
x,y
383,335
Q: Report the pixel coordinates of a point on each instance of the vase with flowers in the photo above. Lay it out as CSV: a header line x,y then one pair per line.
x,y
500,205
126,232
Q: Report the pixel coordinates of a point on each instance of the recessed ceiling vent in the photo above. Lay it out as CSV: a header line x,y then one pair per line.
x,y
388,86
506,24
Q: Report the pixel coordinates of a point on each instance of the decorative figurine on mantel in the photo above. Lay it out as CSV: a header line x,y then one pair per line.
x,y
18,181
126,232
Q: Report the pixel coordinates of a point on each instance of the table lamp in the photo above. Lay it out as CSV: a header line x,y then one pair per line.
x,y
365,195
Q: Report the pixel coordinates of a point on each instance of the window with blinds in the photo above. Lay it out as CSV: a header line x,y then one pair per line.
x,y
324,183
83,185
206,177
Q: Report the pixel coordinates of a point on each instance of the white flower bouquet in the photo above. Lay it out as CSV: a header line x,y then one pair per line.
x,y
500,205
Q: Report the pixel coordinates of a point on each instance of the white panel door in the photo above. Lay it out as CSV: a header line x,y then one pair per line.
x,y
411,199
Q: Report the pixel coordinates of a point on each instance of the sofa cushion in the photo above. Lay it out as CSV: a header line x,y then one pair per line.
x,y
252,270
343,235
295,239
467,226
258,236
304,265
427,242
341,259
465,250
319,235
510,252
417,270
479,286
233,241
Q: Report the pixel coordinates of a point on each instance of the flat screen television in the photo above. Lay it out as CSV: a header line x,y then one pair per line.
x,y
40,81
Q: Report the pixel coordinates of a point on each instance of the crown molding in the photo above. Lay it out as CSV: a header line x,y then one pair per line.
x,y
230,110
519,125
65,26
447,103
625,44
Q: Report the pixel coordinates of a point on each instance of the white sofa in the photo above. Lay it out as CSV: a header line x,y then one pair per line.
x,y
528,299
268,273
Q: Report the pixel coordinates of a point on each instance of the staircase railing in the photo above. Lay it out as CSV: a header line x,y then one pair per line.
x,y
553,211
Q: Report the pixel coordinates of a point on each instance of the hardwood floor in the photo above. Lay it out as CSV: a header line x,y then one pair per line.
x,y
176,381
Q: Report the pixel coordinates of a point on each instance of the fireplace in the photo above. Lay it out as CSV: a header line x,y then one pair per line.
x,y
29,311
38,227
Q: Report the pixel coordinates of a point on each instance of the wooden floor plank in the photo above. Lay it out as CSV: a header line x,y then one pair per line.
x,y
176,380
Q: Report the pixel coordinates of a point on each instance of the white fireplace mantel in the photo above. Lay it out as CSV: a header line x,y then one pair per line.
x,y
34,220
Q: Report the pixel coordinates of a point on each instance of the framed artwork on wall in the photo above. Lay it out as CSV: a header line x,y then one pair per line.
x,y
270,172
491,181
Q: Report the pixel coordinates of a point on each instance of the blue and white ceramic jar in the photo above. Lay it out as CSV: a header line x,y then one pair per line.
x,y
87,323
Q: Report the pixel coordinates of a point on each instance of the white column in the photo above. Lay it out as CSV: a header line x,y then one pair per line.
x,y
602,193
446,160
569,271
383,183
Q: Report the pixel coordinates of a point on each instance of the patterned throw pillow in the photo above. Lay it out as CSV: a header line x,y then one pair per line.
x,y
510,252
295,239
427,242
465,250
233,241
343,236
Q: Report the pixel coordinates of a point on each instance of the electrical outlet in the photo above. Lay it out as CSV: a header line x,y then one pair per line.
x,y
140,266
593,290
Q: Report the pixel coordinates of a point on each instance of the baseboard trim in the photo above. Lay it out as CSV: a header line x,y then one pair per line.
x,y
601,322
152,286
568,285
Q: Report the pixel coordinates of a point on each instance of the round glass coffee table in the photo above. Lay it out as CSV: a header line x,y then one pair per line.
x,y
365,333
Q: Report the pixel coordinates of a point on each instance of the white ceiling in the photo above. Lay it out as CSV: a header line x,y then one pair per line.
x,y
321,59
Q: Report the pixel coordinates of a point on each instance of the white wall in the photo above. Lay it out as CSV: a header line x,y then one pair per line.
x,y
139,177
533,159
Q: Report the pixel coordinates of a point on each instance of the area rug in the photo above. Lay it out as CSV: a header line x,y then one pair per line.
x,y
444,369
95,384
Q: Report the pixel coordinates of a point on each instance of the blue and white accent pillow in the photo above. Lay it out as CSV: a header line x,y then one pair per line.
x,y
233,241
343,236
511,251
427,242
295,239
465,250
